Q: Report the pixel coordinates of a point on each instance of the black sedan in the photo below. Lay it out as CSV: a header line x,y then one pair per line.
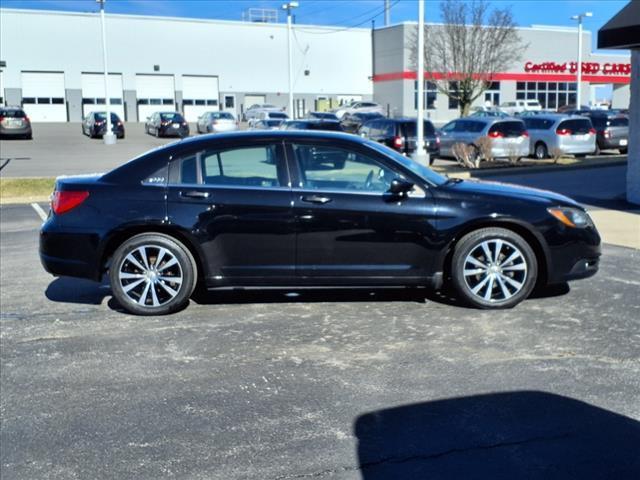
x,y
313,124
167,124
351,122
95,125
307,209
400,134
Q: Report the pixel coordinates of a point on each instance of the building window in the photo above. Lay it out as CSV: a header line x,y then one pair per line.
x,y
492,94
430,95
551,95
454,104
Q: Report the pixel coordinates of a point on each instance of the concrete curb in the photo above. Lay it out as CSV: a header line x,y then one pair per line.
x,y
456,172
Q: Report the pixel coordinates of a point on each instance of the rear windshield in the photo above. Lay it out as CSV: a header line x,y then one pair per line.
x,y
12,113
619,122
331,126
410,128
508,129
222,115
577,126
171,117
103,116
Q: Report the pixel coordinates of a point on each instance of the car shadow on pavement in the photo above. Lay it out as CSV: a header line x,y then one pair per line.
x,y
522,434
77,290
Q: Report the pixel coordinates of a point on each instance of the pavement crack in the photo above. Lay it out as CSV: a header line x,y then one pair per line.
x,y
430,456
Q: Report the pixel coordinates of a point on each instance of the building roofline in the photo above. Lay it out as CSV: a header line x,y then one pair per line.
x,y
537,28
30,11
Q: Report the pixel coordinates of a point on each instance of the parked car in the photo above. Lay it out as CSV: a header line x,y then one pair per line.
x,y
167,124
215,122
268,115
351,122
489,113
509,136
312,124
519,106
323,115
14,123
267,124
612,131
94,125
254,110
568,133
573,108
277,209
533,113
400,134
359,107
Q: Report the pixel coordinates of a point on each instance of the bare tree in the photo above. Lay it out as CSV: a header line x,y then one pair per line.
x,y
463,55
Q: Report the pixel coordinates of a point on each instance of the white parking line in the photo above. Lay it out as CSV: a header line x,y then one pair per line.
x,y
41,213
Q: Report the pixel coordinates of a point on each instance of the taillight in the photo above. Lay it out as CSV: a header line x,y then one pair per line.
x,y
496,134
592,131
398,142
62,202
1,118
184,124
99,123
606,133
164,124
26,119
525,134
119,123
563,131
438,140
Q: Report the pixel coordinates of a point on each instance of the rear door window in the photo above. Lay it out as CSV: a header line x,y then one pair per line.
x,y
508,129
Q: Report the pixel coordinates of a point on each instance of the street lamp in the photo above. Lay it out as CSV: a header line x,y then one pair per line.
x,y
109,138
579,85
288,7
419,155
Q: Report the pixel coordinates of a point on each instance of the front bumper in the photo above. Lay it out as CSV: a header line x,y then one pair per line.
x,y
573,254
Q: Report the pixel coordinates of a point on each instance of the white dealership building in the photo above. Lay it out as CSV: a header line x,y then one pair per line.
x,y
51,65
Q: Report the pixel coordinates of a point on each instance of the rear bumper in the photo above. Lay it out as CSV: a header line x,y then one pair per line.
x,y
174,132
15,132
605,143
59,259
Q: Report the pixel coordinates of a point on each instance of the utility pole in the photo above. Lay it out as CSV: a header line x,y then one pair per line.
x,y
420,155
387,12
579,66
109,138
288,7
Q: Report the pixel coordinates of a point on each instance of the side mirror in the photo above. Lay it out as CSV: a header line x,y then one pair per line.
x,y
399,186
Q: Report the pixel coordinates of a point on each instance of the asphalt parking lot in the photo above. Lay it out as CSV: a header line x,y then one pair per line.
x,y
329,384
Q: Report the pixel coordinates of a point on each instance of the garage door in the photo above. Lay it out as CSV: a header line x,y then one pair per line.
x,y
43,96
93,99
199,95
250,100
155,93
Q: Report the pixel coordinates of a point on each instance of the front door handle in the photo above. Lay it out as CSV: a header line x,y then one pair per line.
x,y
194,194
315,199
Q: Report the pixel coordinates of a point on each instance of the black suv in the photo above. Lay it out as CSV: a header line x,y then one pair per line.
x,y
400,134
612,131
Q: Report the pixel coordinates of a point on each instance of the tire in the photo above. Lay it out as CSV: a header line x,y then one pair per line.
x,y
540,151
518,275
623,151
161,296
597,150
157,132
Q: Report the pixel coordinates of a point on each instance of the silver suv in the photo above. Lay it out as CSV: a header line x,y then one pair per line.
x,y
509,135
571,134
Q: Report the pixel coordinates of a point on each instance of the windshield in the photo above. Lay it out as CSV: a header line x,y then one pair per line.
x,y
171,117
222,116
103,116
418,169
12,113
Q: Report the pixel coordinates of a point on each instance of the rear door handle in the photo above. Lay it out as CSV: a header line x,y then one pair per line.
x,y
315,199
194,194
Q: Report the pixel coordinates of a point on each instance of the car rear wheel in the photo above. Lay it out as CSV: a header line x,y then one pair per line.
x,y
541,151
152,274
493,268
623,151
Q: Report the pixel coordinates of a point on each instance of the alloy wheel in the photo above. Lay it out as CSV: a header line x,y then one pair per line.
x,y
495,270
150,276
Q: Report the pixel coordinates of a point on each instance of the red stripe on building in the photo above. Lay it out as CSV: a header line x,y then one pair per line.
x,y
519,77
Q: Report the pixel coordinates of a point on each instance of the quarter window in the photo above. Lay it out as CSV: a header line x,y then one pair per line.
x,y
334,168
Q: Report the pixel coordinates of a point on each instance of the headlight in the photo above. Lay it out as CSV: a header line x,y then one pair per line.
x,y
571,217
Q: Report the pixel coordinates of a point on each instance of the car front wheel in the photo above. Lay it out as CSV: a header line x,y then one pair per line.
x,y
493,268
152,274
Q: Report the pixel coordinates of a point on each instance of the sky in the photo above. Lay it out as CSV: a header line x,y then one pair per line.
x,y
339,13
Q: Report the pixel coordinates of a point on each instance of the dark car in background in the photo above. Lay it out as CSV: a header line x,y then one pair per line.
x,y
612,131
323,115
94,125
351,122
279,209
14,123
313,124
167,124
400,134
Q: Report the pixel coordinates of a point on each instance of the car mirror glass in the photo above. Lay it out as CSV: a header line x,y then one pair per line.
x,y
399,186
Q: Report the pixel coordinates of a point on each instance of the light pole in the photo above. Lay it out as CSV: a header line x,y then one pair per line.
x,y
419,155
579,79
288,7
109,138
